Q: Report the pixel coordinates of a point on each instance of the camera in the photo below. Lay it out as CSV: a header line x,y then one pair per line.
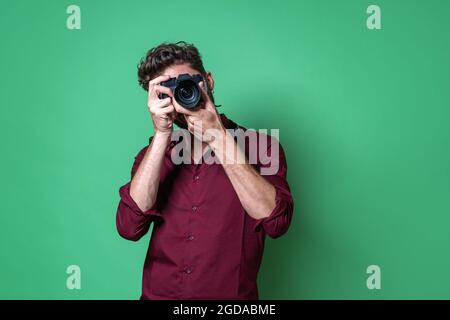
x,y
186,90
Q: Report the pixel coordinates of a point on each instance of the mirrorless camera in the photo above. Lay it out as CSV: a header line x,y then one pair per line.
x,y
186,90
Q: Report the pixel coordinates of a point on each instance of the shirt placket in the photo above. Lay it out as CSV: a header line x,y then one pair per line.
x,y
190,236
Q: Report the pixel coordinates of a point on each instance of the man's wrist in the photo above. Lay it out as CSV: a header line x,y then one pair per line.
x,y
162,135
161,138
217,143
228,150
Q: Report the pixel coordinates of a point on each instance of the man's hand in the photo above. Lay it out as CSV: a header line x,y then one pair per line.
x,y
256,194
145,182
204,123
162,111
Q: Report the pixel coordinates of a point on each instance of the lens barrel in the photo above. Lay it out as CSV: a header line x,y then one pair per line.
x,y
187,94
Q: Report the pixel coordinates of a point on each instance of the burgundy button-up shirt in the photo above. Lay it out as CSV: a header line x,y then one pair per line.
x,y
203,245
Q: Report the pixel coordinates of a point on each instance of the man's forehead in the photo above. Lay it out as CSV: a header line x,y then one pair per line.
x,y
174,71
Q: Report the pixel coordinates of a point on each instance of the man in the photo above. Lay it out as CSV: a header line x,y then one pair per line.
x,y
210,218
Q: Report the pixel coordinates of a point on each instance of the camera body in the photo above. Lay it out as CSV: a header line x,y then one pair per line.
x,y
186,90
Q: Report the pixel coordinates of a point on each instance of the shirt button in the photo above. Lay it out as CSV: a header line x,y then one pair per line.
x,y
196,177
188,270
190,238
194,208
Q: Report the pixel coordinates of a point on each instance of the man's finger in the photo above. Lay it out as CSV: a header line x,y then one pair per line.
x,y
153,82
167,110
156,92
163,103
190,119
172,115
190,127
205,96
158,80
162,89
159,104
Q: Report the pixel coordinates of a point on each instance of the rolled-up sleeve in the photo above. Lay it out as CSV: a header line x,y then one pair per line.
x,y
279,220
133,223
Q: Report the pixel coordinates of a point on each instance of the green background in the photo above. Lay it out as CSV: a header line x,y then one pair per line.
x,y
363,116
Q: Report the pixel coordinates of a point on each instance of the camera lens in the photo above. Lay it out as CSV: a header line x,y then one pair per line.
x,y
187,94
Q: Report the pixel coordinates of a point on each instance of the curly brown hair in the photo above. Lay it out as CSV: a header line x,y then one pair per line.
x,y
160,57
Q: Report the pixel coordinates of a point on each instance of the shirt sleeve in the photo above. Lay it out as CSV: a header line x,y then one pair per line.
x,y
133,223
277,223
